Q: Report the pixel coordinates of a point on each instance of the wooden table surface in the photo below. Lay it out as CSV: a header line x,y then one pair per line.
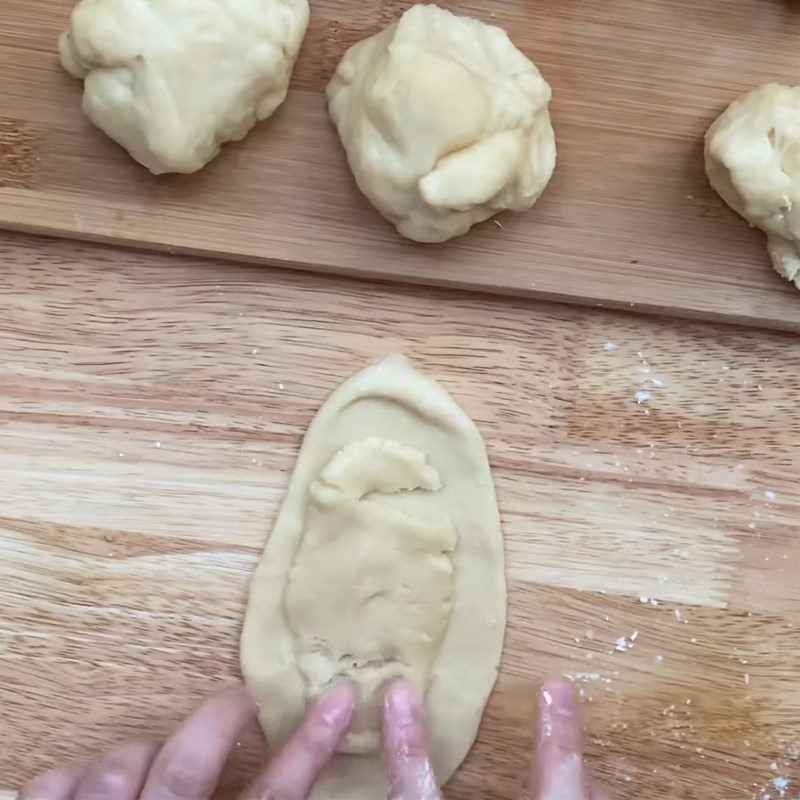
x,y
628,219
151,408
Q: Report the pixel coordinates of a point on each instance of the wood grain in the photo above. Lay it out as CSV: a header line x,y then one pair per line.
x,y
150,412
628,220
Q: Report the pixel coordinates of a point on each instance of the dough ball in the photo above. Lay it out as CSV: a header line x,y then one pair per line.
x,y
752,154
172,80
444,122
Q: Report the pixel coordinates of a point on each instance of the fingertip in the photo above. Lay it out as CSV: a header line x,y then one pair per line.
x,y
58,784
337,705
238,694
559,692
121,773
402,703
559,712
232,706
559,753
346,688
559,769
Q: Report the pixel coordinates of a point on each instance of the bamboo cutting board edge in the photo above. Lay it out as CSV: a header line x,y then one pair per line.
x,y
14,207
628,218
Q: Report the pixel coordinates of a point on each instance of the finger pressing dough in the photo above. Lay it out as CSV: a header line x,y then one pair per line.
x,y
752,154
172,80
444,123
386,561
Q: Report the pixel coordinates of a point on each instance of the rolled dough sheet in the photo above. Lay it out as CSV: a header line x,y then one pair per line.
x,y
386,560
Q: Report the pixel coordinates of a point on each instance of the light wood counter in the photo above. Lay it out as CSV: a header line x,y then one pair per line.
x,y
151,408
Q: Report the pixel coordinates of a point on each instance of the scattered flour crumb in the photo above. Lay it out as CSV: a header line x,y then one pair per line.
x,y
609,346
587,677
643,397
781,784
770,496
650,601
624,643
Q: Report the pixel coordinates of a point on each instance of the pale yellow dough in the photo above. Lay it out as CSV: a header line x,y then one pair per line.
x,y
752,154
386,561
386,613
172,80
444,123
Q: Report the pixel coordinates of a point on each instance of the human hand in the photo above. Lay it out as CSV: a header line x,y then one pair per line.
x,y
559,772
188,765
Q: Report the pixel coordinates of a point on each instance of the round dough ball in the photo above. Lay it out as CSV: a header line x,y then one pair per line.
x,y
752,154
172,80
444,122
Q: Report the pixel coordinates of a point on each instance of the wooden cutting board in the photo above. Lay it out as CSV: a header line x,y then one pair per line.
x,y
151,409
628,220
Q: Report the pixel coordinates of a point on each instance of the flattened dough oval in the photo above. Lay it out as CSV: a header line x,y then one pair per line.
x,y
385,561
